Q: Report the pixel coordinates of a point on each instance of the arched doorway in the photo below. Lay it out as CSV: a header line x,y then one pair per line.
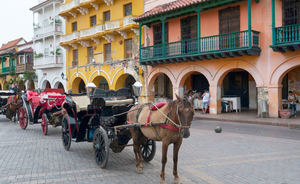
x,y
101,82
59,85
78,86
21,85
125,81
0,87
239,92
46,85
31,85
290,83
162,88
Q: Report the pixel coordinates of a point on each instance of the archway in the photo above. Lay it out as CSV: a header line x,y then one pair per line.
x,y
46,85
125,81
78,86
162,89
101,82
0,87
59,85
21,85
290,82
238,92
31,85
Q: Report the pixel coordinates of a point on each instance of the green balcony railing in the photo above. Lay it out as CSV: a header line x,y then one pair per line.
x,y
205,45
5,70
287,34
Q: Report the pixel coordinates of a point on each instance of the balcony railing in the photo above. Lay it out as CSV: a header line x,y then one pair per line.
x,y
46,30
224,45
69,5
112,25
6,70
48,62
92,31
286,38
21,68
70,37
128,20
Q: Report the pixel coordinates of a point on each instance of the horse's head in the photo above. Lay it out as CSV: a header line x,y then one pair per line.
x,y
185,112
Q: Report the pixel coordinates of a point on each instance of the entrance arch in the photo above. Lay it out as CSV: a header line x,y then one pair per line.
x,y
0,87
78,85
46,84
59,85
21,85
101,82
161,89
125,81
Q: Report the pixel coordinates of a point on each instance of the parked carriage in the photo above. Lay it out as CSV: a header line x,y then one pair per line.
x,y
9,104
97,118
42,108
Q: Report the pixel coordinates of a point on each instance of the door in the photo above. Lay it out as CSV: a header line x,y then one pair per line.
x,y
189,31
229,22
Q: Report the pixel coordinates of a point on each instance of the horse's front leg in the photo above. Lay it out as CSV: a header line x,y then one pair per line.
x,y
163,161
175,160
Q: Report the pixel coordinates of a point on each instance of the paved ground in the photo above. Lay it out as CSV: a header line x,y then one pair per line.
x,y
242,154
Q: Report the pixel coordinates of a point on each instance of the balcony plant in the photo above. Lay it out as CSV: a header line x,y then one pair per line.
x,y
57,52
39,55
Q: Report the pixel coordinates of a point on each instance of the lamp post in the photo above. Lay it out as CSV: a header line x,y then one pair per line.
x,y
137,90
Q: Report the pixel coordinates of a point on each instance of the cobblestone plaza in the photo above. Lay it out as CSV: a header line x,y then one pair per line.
x,y
241,154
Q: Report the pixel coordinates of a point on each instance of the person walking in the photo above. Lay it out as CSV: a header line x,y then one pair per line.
x,y
205,101
293,100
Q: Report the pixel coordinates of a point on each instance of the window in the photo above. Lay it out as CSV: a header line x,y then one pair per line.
x,y
75,58
106,16
22,59
127,9
157,33
46,52
128,48
74,26
93,20
90,54
107,52
291,12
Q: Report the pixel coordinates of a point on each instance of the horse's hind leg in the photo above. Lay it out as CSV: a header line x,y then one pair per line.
x,y
175,160
136,149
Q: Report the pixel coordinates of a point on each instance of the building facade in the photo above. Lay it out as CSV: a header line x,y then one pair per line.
x,y
16,60
49,57
101,41
247,50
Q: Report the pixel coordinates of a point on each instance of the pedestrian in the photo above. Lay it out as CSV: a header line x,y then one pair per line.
x,y
205,101
11,88
293,100
190,94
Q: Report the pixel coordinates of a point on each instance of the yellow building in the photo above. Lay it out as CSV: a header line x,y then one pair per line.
x,y
102,43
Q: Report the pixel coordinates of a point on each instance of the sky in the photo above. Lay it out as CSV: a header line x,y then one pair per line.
x,y
16,20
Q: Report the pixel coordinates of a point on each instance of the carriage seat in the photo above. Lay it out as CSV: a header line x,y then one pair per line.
x,y
158,105
81,102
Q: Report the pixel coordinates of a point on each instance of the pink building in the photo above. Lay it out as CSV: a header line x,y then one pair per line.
x,y
246,52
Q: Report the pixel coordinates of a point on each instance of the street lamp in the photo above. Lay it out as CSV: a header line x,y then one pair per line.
x,y
137,90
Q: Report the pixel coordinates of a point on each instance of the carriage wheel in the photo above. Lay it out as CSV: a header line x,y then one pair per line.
x,y
44,124
101,147
148,150
23,118
66,133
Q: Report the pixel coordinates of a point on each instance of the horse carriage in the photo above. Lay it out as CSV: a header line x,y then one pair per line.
x,y
9,104
97,117
42,108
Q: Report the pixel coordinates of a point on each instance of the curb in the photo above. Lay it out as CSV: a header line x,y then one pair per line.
x,y
291,126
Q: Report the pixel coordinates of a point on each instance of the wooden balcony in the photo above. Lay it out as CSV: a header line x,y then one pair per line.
x,y
22,68
211,47
286,38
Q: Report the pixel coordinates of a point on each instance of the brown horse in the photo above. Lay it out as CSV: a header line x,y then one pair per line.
x,y
14,102
177,116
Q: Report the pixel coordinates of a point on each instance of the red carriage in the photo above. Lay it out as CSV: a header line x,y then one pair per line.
x,y
41,108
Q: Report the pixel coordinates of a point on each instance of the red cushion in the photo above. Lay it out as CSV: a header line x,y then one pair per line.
x,y
158,105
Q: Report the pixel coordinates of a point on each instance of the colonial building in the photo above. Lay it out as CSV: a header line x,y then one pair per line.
x,y
16,59
49,57
246,51
102,43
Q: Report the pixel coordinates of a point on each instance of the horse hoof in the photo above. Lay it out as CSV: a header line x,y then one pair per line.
x,y
177,180
139,170
163,181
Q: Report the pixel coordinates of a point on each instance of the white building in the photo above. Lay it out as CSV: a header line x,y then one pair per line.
x,y
49,57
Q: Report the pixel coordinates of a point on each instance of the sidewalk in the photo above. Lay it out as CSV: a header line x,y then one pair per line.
x,y
251,118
